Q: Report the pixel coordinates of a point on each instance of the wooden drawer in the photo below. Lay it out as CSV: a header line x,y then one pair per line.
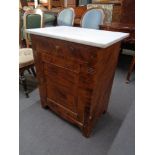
x,y
62,62
116,13
71,2
71,5
60,75
67,50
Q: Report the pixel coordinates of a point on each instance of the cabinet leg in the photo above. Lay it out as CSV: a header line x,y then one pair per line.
x,y
104,112
86,132
43,104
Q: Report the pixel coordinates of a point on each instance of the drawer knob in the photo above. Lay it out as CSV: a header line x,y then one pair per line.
x,y
57,47
71,48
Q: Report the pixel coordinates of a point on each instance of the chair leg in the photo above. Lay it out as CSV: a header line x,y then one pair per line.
x,y
24,84
33,71
29,71
27,44
23,44
132,64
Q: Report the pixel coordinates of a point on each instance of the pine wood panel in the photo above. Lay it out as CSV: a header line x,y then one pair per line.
x,y
75,80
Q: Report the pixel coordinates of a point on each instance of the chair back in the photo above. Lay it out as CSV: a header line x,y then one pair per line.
x,y
66,17
32,20
92,18
20,27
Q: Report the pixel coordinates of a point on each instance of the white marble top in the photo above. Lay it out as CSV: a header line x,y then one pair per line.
x,y
92,37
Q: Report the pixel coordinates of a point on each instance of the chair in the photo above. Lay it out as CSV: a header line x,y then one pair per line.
x,y
107,8
21,13
128,48
20,25
131,67
131,53
32,20
92,18
26,62
49,18
66,17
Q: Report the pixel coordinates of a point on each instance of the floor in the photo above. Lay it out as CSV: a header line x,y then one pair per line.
x,y
44,133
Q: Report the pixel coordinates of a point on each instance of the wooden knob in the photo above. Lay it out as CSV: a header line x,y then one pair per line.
x,y
71,48
57,48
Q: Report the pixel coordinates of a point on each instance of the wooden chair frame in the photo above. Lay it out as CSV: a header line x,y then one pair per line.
x,y
130,70
22,78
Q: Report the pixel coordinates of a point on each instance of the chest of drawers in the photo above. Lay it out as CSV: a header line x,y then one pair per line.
x,y
75,80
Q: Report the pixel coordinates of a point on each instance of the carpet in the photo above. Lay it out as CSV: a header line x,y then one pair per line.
x,y
44,133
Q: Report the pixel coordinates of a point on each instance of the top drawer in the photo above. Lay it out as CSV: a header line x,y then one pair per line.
x,y
67,49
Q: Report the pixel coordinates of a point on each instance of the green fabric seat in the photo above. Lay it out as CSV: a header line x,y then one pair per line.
x,y
21,24
128,52
33,21
48,18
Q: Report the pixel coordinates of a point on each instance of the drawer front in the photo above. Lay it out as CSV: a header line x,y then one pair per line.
x,y
69,50
71,5
116,13
60,75
71,2
66,63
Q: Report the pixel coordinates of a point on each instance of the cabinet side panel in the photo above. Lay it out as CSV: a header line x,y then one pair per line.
x,y
107,63
40,71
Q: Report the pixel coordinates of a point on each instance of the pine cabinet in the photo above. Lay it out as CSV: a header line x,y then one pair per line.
x,y
75,76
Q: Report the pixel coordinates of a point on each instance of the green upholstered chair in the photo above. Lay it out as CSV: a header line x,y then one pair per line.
x,y
32,20
92,18
20,26
49,19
